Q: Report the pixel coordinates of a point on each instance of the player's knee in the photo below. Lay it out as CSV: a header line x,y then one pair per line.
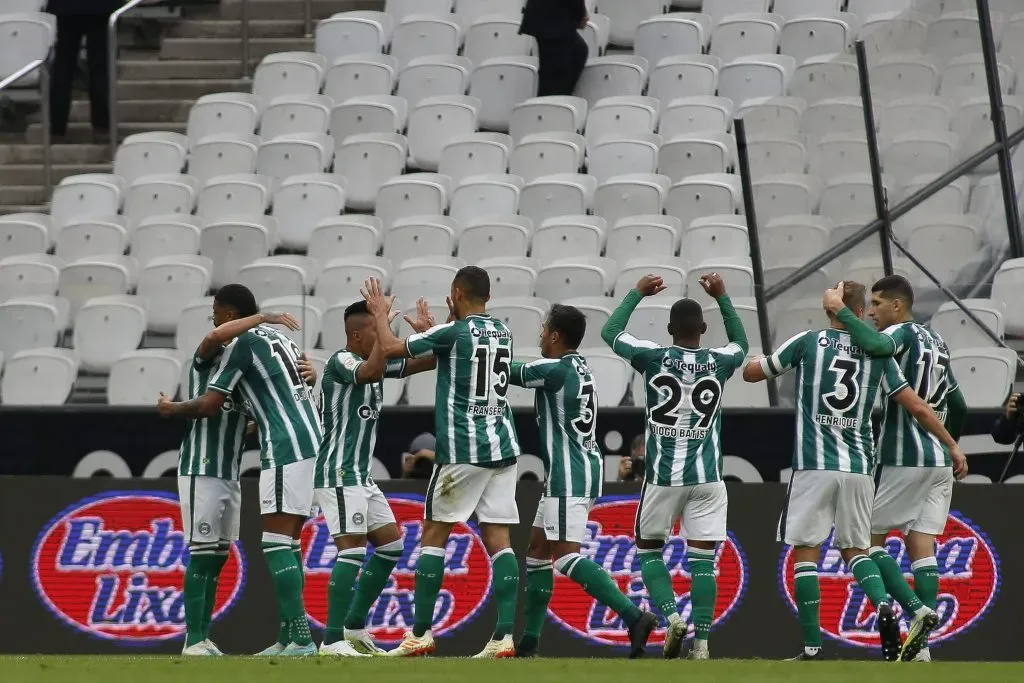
x,y
385,535
349,541
649,543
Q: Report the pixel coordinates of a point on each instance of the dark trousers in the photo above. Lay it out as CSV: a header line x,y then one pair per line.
x,y
561,64
70,32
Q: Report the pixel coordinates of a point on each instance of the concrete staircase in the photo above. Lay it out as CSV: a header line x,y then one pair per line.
x,y
199,54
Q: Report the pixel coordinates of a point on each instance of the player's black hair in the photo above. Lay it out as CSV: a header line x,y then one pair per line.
x,y
895,287
239,298
686,319
569,322
358,308
474,282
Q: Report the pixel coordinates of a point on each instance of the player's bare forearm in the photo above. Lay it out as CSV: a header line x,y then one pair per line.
x,y
372,369
222,334
390,345
925,416
206,405
754,372
733,325
415,366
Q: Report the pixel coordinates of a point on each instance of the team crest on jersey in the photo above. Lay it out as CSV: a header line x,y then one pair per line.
x,y
610,543
112,565
968,585
467,581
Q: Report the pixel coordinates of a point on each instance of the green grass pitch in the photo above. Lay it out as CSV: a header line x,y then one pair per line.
x,y
113,669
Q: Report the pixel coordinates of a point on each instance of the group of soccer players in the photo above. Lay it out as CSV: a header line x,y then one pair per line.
x,y
245,370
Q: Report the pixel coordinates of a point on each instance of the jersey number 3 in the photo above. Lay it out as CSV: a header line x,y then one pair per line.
x,y
844,395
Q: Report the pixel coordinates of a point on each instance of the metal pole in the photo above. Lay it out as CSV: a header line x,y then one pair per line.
x,y
874,159
764,328
895,213
308,17
245,38
995,97
44,94
986,279
112,69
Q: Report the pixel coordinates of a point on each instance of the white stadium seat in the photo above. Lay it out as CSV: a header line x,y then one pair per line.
x,y
227,113
138,378
597,310
511,276
368,114
435,122
167,235
106,327
650,321
702,195
541,154
715,237
91,194
738,276
671,270
684,76
985,375
492,236
624,155
697,154
485,195
234,195
1006,287
351,33
25,233
342,278
419,236
29,275
611,374
400,9
547,114
568,236
31,322
273,276
770,154
685,115
772,115
652,235
809,36
612,76
296,114
557,195
668,35
429,277
576,276
622,115
346,235
959,332
39,377
412,194
290,73
157,195
302,201
307,310
794,238
92,237
295,154
824,76
359,75
167,283
494,36
97,276
434,76
631,195
420,35
755,76
475,154
147,153
231,243
715,335
378,156
522,315
720,9
786,195
500,84
743,35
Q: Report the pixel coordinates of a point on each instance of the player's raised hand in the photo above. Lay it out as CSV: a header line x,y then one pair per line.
x,y
959,462
713,284
306,370
424,319
285,319
376,302
833,300
164,405
451,309
649,285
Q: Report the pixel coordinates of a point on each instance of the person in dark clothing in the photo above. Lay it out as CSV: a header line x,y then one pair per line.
x,y
78,19
1009,425
560,48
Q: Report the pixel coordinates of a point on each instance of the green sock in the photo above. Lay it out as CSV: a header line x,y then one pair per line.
x,y
197,575
505,588
540,582
892,578
212,581
429,577
596,582
372,581
866,572
808,601
339,591
285,574
658,582
926,580
703,590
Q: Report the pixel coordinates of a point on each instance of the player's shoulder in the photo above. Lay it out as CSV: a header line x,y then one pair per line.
x,y
345,359
933,336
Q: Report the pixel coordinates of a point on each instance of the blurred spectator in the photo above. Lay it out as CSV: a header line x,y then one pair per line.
x,y
631,467
418,463
560,48
1009,427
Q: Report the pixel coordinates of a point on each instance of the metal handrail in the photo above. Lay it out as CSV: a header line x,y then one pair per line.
x,y
112,68
44,94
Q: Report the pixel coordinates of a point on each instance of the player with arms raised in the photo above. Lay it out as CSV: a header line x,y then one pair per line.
x,y
567,417
832,484
915,488
263,365
684,454
475,461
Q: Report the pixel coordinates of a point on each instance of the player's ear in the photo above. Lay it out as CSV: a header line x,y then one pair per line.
x,y
670,332
703,328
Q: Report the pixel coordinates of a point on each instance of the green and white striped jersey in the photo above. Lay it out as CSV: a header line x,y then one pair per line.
x,y
472,420
566,403
212,446
263,364
924,360
836,387
684,407
350,411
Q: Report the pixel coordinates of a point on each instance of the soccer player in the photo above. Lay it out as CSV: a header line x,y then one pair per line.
x,y
684,454
915,487
263,365
477,448
566,419
208,487
832,483
352,503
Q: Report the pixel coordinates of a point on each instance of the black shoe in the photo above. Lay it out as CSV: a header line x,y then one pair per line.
x,y
804,657
917,638
526,648
639,632
889,631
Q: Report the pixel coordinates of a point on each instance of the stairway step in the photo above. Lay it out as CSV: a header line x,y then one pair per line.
x,y
6,209
138,110
184,69
34,195
227,48
175,89
82,132
227,28
62,154
32,174
275,9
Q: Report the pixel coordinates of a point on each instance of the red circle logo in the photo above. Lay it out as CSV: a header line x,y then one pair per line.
x,y
968,585
609,542
113,565
467,579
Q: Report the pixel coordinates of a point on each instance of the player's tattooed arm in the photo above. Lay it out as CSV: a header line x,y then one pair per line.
x,y
927,418
207,405
380,307
221,335
649,285
873,342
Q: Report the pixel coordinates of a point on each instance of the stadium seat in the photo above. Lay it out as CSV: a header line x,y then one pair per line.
x,y
649,321
1006,287
351,33
475,154
611,375
542,154
97,276
851,197
942,243
869,270
434,76
914,113
290,114
302,201
307,310
671,270
813,285
806,37
626,17
703,195
955,34
92,237
792,9
494,236
825,76
91,194
772,115
107,327
740,394
290,73
794,238
953,198
547,114
666,35
138,378
834,115
801,315
485,195
715,335
240,194
471,10
612,76
27,35
413,194
567,236
347,235
496,36
904,74
596,34
697,154
419,236
420,35
39,377
158,195
231,243
368,114
167,283
521,397
25,233
341,279
524,316
272,276
960,332
737,274
743,35
567,194
576,276
227,113
767,75
985,375
621,116
31,322
193,324
295,154
29,275
500,84
786,194
435,122
429,277
360,75
511,276
687,115
400,9
771,154
715,237
148,153
911,154
684,76
624,155
718,10
597,310
378,156
651,235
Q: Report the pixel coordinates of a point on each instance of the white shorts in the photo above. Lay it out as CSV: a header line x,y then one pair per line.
x,y
354,509
702,507
563,518
912,499
288,488
457,490
210,508
821,499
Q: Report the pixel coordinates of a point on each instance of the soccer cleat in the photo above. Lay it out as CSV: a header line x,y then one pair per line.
x,y
340,648
497,649
639,632
924,655
699,650
675,634
274,650
198,650
889,632
917,637
362,643
804,656
296,650
212,647
411,646
526,649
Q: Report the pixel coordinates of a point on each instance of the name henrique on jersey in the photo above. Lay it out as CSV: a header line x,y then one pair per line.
x,y
836,387
472,420
212,446
566,403
684,407
923,358
263,364
350,412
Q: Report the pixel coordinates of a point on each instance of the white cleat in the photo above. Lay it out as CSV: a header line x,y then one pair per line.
x,y
340,648
411,646
924,655
198,650
699,650
498,649
212,647
674,636
362,643
274,650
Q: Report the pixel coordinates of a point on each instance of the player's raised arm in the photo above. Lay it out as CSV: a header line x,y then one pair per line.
x,y
222,334
424,321
714,285
376,365
380,308
786,358
873,342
